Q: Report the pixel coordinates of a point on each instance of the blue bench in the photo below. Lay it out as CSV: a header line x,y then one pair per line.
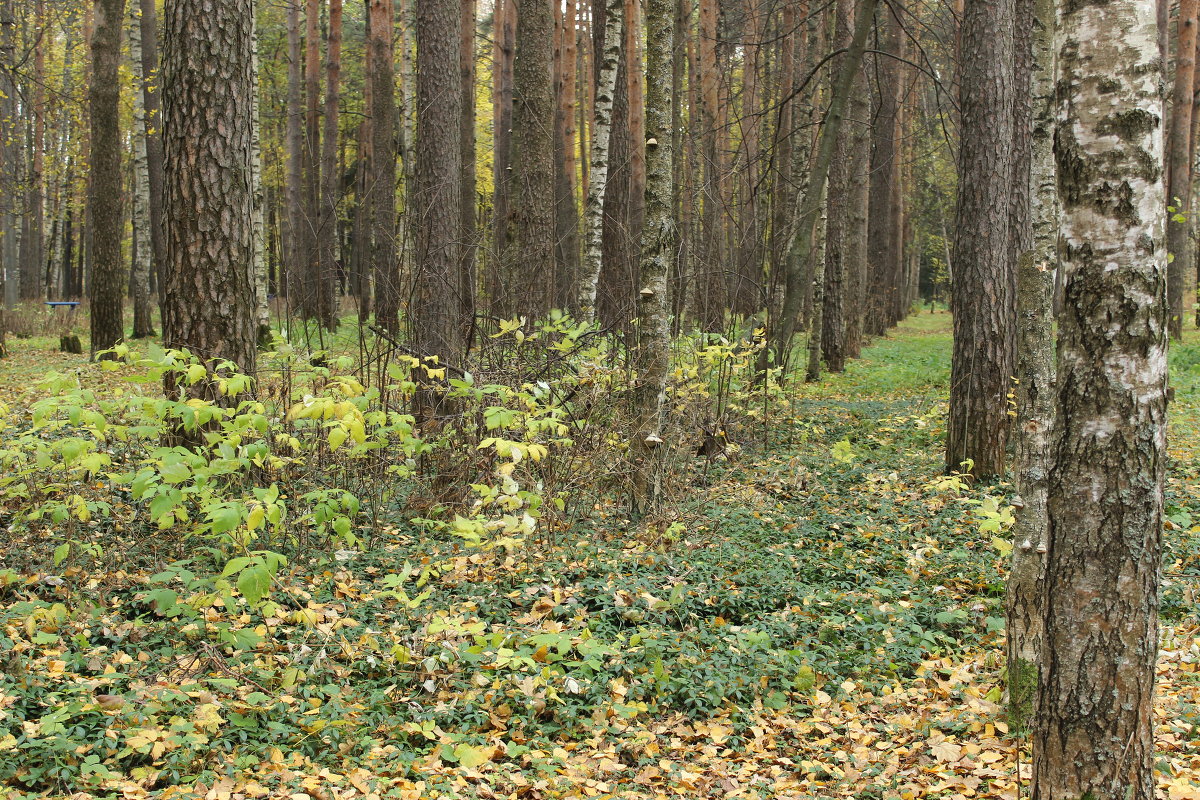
x,y
71,304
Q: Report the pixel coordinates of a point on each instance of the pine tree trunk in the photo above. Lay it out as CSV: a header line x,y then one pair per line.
x,y
857,273
885,174
104,201
658,247
154,155
208,87
382,113
292,286
8,155
593,212
310,305
1179,160
984,273
327,229
502,100
437,322
361,238
832,337
32,248
143,325
528,257
710,285
1094,734
566,211
468,205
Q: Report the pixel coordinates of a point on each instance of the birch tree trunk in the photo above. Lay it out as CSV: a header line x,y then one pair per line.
x,y
1094,735
658,248
258,266
593,210
1036,269
143,326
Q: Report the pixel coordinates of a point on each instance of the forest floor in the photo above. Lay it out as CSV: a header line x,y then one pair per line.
x,y
825,621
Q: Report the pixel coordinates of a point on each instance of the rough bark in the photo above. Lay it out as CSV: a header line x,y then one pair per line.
x,y
143,324
104,199
1094,735
327,227
310,301
882,221
468,205
566,211
208,85
857,274
292,285
528,256
436,308
1036,268
654,310
710,284
1179,160
502,100
33,236
593,212
832,338
8,159
382,113
984,274
154,154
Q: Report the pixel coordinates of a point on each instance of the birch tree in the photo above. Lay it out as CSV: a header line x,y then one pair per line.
x,y
1036,269
593,209
1094,735
654,323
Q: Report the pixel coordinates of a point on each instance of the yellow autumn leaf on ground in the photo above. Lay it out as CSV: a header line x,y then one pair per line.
x,y
472,757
